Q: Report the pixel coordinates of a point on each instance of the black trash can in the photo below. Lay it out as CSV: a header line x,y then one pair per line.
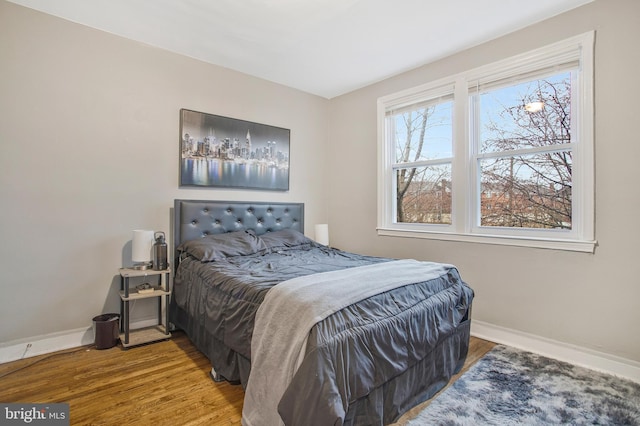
x,y
106,330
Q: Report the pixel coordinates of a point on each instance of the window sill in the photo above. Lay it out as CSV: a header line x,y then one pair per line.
x,y
540,243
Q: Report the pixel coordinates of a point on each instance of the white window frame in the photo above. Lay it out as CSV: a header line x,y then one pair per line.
x,y
465,176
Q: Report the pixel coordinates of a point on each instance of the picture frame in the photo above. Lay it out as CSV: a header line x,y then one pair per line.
x,y
218,151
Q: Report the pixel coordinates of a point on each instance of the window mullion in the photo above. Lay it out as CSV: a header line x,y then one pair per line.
x,y
461,152
472,161
527,151
423,163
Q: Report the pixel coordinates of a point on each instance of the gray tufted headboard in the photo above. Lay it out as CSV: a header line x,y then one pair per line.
x,y
198,218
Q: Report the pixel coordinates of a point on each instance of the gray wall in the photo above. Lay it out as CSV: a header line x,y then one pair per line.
x,y
89,134
589,300
89,151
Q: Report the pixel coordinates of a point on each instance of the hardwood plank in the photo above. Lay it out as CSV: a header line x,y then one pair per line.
x,y
165,382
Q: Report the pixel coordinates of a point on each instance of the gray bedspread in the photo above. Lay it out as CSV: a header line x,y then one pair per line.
x,y
365,364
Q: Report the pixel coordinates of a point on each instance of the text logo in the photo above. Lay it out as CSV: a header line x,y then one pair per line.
x,y
36,414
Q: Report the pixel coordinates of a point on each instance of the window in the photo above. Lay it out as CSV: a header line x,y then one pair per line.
x,y
501,154
422,154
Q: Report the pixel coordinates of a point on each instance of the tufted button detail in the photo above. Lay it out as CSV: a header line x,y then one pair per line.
x,y
194,222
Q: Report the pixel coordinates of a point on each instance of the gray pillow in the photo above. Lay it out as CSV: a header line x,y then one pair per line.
x,y
284,238
219,246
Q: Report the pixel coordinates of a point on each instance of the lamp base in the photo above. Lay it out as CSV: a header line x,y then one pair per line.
x,y
142,266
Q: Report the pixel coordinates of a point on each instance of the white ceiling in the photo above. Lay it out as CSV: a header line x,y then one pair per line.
x,y
324,47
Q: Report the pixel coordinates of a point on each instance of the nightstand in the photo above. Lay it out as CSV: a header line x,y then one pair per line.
x,y
160,290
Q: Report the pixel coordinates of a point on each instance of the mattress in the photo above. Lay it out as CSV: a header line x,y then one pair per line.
x,y
366,364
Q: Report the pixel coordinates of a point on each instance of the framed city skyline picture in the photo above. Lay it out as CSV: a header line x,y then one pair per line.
x,y
217,151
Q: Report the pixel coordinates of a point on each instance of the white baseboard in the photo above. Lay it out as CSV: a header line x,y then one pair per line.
x,y
594,360
40,345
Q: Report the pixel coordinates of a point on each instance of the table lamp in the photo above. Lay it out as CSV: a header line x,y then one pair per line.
x,y
141,245
322,234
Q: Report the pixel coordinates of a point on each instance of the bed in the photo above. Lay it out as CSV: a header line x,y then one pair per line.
x,y
384,342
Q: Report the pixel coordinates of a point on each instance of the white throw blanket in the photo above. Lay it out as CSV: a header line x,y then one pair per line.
x,y
291,309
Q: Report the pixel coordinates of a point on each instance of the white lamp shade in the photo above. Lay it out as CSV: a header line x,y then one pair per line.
x,y
322,233
141,245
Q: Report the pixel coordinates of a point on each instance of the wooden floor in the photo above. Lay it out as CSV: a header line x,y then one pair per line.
x,y
165,383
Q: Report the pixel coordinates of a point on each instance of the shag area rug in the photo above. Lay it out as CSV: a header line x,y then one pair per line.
x,y
512,387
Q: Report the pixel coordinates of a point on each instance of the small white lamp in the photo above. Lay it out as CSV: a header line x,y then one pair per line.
x,y
141,245
322,233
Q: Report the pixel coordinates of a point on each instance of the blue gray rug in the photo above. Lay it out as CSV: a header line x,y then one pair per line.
x,y
511,387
